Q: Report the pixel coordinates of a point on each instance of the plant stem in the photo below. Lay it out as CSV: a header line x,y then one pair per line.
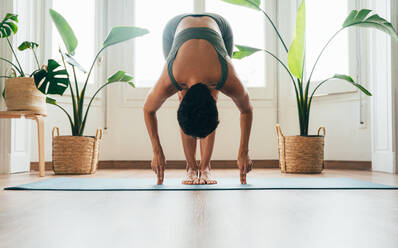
x,y
313,92
16,58
284,66
299,108
37,61
67,114
76,85
16,67
323,49
89,105
83,92
316,88
76,120
34,72
276,30
273,25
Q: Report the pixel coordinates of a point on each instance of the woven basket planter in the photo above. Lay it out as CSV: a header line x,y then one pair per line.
x,y
75,154
301,154
21,94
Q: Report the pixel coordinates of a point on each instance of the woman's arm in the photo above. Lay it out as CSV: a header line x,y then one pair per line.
x,y
156,97
234,88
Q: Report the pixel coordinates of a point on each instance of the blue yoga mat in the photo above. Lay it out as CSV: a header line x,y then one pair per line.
x,y
148,184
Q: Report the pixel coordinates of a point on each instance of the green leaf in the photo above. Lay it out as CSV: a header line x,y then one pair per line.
x,y
71,60
50,100
8,25
350,80
295,58
131,84
52,80
254,4
4,94
120,76
116,76
12,17
362,19
27,45
65,31
244,51
123,33
126,78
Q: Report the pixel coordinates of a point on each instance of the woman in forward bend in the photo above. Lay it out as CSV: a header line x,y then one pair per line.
x,y
197,48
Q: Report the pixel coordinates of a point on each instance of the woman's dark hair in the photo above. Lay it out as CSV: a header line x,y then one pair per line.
x,y
198,114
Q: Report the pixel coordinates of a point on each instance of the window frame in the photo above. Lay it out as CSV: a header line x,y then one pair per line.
x,y
100,29
355,50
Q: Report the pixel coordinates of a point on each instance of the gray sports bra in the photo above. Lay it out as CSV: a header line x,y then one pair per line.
x,y
199,33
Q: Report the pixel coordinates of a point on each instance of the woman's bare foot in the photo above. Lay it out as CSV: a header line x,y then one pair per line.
x,y
191,177
205,177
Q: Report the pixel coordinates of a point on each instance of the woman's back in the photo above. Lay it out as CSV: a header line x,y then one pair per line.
x,y
197,59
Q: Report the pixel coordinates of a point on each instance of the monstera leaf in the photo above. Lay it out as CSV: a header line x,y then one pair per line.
x,y
65,31
52,80
123,33
254,4
295,57
28,45
362,19
8,25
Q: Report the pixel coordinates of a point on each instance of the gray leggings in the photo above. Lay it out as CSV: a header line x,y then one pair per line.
x,y
171,26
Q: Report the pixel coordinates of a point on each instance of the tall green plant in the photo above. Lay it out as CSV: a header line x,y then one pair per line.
x,y
296,53
50,78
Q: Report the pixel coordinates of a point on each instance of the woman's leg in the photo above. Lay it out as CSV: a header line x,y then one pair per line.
x,y
189,145
206,150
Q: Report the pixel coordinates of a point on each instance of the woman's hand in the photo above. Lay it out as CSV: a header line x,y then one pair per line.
x,y
245,166
158,165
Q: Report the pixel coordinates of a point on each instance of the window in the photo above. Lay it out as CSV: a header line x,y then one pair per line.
x,y
149,60
248,27
324,18
82,21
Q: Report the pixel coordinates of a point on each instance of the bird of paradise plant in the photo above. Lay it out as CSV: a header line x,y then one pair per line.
x,y
296,53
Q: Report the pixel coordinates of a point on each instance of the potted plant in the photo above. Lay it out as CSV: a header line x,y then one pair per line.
x,y
20,91
304,153
78,154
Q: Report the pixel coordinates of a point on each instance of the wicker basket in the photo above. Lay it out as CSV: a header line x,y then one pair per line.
x,y
75,154
301,154
21,94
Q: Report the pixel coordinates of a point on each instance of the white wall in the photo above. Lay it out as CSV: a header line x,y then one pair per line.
x,y
126,137
394,70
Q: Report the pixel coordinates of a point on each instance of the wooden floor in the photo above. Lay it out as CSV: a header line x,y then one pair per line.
x,y
268,218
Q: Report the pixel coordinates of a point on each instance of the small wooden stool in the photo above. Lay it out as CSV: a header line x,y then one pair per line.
x,y
40,130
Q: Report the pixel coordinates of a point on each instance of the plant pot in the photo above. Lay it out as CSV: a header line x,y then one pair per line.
x,y
301,154
21,94
75,154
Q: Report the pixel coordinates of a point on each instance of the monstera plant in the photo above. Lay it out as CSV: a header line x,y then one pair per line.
x,y
54,78
8,27
20,92
296,53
